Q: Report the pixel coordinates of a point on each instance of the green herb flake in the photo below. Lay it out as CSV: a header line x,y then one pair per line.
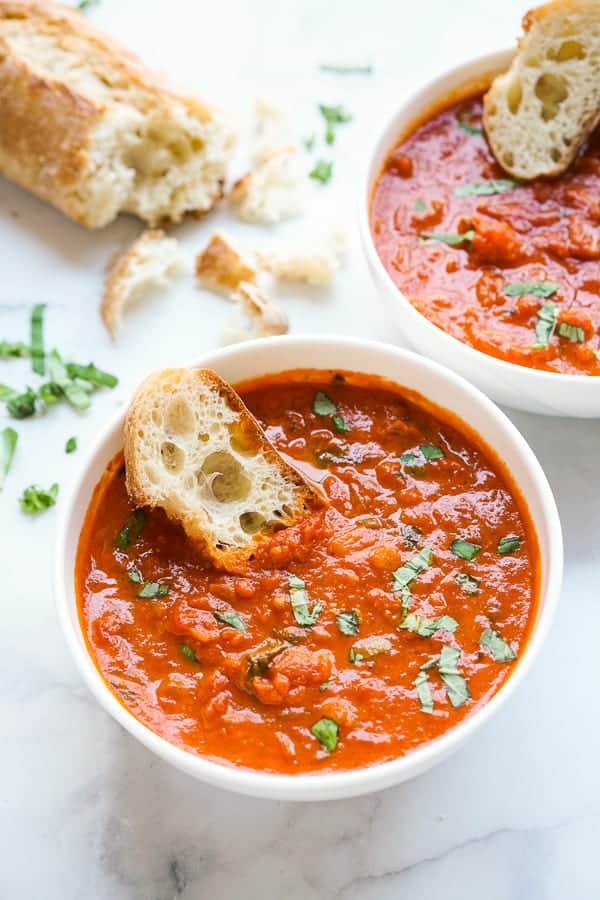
x,y
91,373
431,452
38,357
152,590
327,732
424,694
8,444
299,599
419,206
333,115
322,171
131,530
467,127
74,393
71,445
21,406
407,573
346,70
453,240
425,627
464,549
187,651
348,622
323,405
135,575
86,4
499,649
509,544
326,684
454,682
547,318
485,188
468,583
35,499
411,460
543,289
233,619
13,350
572,333
355,656
339,424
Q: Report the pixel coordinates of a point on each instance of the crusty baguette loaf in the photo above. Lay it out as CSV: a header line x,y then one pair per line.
x,y
85,126
193,449
538,114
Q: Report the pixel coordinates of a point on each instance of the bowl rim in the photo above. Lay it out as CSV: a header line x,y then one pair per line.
x,y
315,786
477,66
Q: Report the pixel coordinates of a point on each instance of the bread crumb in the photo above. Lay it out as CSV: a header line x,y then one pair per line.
x,y
315,264
263,316
272,191
221,267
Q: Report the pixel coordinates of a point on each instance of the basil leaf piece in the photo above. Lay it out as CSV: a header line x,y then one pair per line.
x,y
333,115
543,289
327,732
425,627
411,460
35,499
233,619
49,393
187,651
468,583
135,575
509,544
348,622
38,357
455,684
21,406
299,600
92,374
546,323
355,655
151,590
464,549
71,445
74,393
8,444
407,573
326,684
86,4
572,333
431,452
131,530
466,126
500,650
322,171
424,694
339,424
13,350
346,70
485,188
323,405
419,206
453,240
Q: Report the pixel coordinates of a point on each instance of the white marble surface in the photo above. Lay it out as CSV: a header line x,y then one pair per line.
x,y
87,813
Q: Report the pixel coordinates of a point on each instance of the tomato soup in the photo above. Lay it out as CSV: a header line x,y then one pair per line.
x,y
512,269
354,637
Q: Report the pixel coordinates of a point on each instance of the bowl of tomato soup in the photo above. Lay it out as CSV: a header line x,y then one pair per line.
x,y
498,279
360,646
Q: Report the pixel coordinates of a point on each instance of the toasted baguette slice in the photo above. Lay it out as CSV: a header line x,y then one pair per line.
x,y
193,449
538,114
148,262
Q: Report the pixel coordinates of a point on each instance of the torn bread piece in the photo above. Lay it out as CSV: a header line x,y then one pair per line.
x,y
538,114
193,449
221,267
273,130
315,264
149,262
271,192
263,316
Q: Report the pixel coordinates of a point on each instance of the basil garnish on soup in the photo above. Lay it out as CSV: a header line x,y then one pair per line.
x,y
454,682
543,289
424,694
327,732
547,318
299,600
509,544
231,618
453,240
348,622
498,647
464,549
573,333
484,188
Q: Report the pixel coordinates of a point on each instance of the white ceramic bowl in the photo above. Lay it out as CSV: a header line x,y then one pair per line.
x,y
531,390
407,369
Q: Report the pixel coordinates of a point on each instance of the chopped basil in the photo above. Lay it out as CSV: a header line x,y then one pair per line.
x,y
327,732
326,684
85,4
13,350
299,600
466,126
322,171
468,583
464,549
92,374
499,649
21,406
333,115
71,445
187,651
38,357
509,544
369,647
49,393
151,590
323,405
484,188
427,453
35,499
424,694
410,459
309,142
425,627
419,205
572,333
543,289
546,323
131,530
348,622
339,424
8,445
452,240
346,70
74,393
407,573
455,684
431,452
355,656
233,619
135,575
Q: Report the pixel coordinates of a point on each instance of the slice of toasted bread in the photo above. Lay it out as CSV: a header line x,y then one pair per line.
x,y
193,449
538,114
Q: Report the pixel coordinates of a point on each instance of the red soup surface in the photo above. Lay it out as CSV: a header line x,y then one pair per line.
x,y
364,632
510,269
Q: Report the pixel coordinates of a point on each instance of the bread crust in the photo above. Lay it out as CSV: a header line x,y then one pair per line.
x,y
47,129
